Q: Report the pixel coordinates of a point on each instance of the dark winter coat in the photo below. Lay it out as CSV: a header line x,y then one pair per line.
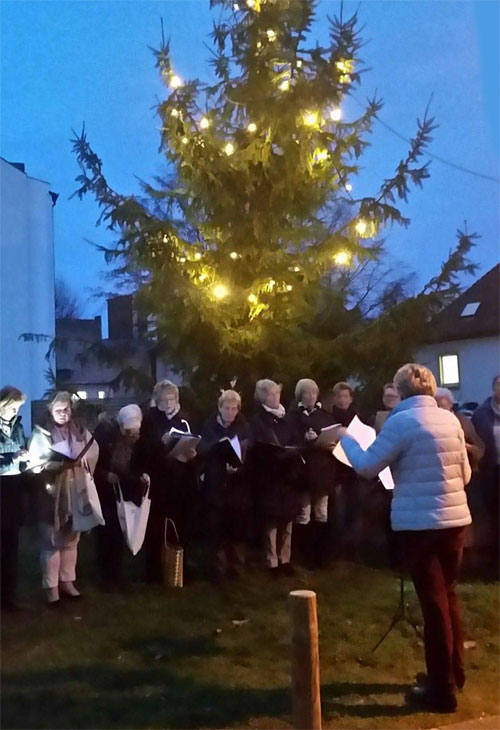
x,y
320,464
116,455
13,487
344,474
277,480
483,420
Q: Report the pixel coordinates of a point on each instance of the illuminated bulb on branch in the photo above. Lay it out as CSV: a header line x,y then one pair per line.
x,y
229,149
342,258
184,140
299,63
220,291
233,255
174,113
361,227
182,259
321,155
175,82
310,118
348,187
272,283
252,299
289,287
202,277
252,127
271,35
197,256
284,86
336,114
204,123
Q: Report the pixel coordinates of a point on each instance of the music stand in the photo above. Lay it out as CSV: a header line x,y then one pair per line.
x,y
399,615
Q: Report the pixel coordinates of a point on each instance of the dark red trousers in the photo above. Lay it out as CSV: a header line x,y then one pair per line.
x,y
434,558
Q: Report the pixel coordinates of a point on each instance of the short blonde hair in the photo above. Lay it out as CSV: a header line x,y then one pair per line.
x,y
342,386
262,387
229,396
164,386
302,385
62,397
414,379
9,394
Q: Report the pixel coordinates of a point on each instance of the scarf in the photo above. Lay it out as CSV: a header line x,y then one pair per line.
x,y
308,411
172,414
279,412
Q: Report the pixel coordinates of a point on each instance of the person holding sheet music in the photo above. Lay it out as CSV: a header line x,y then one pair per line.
x,y
13,456
277,474
65,482
173,481
226,500
425,446
311,420
116,469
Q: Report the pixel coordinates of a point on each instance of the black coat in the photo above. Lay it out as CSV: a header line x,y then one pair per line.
x,y
110,441
277,479
320,465
344,474
12,488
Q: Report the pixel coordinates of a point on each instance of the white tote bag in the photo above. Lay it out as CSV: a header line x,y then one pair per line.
x,y
133,519
87,511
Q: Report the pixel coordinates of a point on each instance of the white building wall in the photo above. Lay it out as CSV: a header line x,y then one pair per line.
x,y
26,281
478,362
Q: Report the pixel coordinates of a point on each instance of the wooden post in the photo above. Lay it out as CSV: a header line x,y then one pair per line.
x,y
306,697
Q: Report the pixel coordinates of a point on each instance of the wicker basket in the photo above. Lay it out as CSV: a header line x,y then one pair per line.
x,y
172,559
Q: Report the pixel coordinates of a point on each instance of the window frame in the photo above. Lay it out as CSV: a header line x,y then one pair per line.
x,y
442,383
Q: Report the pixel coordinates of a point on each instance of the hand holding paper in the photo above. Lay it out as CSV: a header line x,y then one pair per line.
x,y
365,436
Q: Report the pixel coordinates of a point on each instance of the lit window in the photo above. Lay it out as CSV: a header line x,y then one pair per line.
x,y
101,394
448,370
82,394
470,309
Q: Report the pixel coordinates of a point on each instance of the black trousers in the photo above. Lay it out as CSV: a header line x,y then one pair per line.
x,y
9,550
110,543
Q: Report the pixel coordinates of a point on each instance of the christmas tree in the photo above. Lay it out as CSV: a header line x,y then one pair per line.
x,y
241,250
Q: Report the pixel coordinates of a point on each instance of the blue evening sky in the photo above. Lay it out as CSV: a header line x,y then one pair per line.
x,y
68,62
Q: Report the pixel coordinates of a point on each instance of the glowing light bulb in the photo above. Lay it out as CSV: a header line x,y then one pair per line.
x,y
296,268
361,227
233,255
204,123
165,238
271,34
342,258
197,256
236,6
310,118
202,277
345,65
174,113
321,155
182,259
272,283
345,79
348,187
184,140
289,287
284,86
175,82
252,127
336,114
220,291
252,299
299,63
229,149
251,3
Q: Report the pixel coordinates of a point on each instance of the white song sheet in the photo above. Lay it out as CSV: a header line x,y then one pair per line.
x,y
365,436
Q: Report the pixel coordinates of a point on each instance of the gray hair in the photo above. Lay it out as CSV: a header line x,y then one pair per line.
x,y
302,385
62,397
414,379
229,396
444,393
164,386
262,388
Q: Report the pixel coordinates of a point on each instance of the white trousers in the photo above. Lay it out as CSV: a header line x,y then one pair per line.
x,y
58,556
318,505
278,543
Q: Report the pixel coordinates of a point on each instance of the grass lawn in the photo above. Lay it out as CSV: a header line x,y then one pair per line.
x,y
173,658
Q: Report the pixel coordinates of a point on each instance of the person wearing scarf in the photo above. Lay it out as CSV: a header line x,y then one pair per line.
x,y
277,478
226,501
64,487
173,483
13,456
311,526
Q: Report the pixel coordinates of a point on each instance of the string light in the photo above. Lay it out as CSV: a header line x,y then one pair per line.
x,y
251,3
220,291
284,86
299,63
272,283
289,287
174,113
320,155
310,118
202,277
252,127
296,268
175,82
182,259
342,258
184,140
197,256
204,123
348,187
271,35
252,299
229,149
345,79
233,255
336,114
361,227
345,65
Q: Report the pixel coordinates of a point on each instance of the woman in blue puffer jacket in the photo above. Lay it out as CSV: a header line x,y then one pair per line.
x,y
425,447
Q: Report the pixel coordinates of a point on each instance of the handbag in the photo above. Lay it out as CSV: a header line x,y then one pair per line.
x,y
133,519
172,559
86,507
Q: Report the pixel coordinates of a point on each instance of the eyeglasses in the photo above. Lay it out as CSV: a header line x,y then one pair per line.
x,y
62,411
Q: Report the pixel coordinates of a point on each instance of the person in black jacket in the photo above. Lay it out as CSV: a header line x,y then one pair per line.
x,y
227,504
173,483
311,525
117,441
276,473
13,457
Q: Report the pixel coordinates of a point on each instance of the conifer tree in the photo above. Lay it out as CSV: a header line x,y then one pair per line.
x,y
255,219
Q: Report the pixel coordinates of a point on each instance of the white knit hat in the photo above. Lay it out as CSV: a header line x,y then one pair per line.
x,y
130,416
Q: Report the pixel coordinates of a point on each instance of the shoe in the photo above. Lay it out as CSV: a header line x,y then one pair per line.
x,y
68,591
287,569
274,572
427,699
459,679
